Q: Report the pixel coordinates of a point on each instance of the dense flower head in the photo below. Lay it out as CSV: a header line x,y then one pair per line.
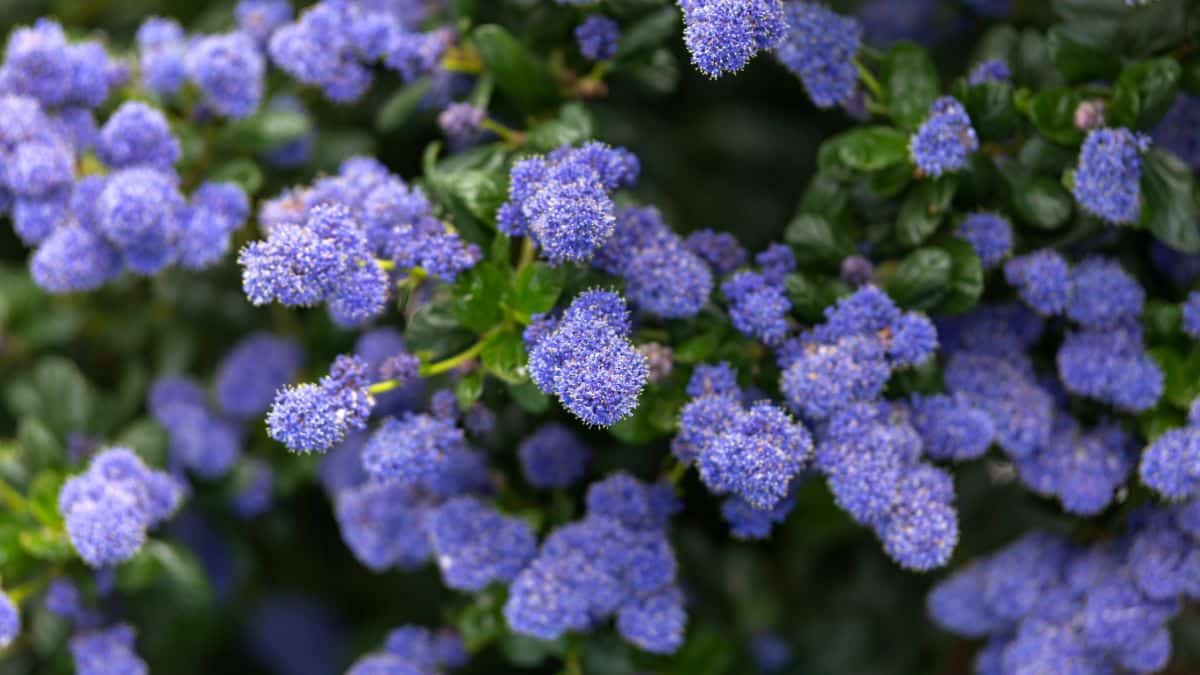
x,y
921,531
10,620
634,504
161,48
992,70
109,507
253,370
820,47
1111,365
41,64
1043,280
138,135
951,427
597,37
316,417
1171,464
1103,294
990,234
415,447
553,457
563,201
757,307
383,525
720,250
945,138
474,545
199,438
140,214
723,35
462,122
107,652
1004,387
662,276
62,598
757,457
589,362
228,69
776,261
254,489
260,18
720,379
749,523
216,211
1107,177
1082,468
73,258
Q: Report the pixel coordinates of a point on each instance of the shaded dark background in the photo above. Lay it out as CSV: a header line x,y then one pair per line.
x,y
283,595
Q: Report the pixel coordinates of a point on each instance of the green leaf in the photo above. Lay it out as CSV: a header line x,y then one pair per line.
x,y
872,148
990,107
504,357
816,239
1144,92
648,33
468,389
67,398
529,397
529,652
1053,114
810,296
911,84
480,192
244,172
1182,375
921,279
1161,321
43,496
169,571
1169,196
966,278
40,446
518,74
46,544
1081,50
697,349
400,106
536,290
572,126
477,295
1041,201
924,209
268,129
434,329
1159,420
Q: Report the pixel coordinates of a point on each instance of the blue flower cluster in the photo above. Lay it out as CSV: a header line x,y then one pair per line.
x,y
10,621
1171,463
588,361
1048,605
616,561
201,439
1107,179
1174,131
107,652
990,234
250,374
993,70
720,250
662,276
315,417
758,305
723,35
597,37
820,47
413,650
563,201
109,507
474,545
334,44
553,457
849,358
753,454
945,139
228,69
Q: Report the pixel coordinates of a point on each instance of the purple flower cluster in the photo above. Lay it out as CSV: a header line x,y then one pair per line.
x,y
758,306
563,201
616,561
109,507
597,37
553,457
993,70
1047,605
1107,179
990,234
10,620
720,250
201,439
250,374
752,453
1175,131
662,276
413,650
849,358
723,35
1171,463
107,652
474,545
40,64
945,139
588,362
820,47
315,417
228,69
334,44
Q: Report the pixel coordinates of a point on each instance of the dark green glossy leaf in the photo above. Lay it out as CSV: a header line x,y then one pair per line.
x,y
648,33
810,296
504,357
1144,92
911,84
536,289
572,126
246,173
966,278
400,106
1161,321
991,109
41,449
434,329
1169,196
468,389
872,148
924,209
697,349
815,239
518,73
921,279
529,397
477,295
1053,114
1041,201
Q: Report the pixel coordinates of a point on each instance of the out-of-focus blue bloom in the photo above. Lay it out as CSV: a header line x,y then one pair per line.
x,y
1177,129
137,135
662,276
462,122
1103,294
216,211
825,378
383,525
1004,388
634,504
319,50
820,47
771,652
161,49
553,457
62,598
944,139
1043,279
720,379
1108,175
200,440
140,213
589,362
922,530
1111,365
1191,315
990,234
37,63
294,634
757,308
10,620
723,35
856,271
885,23
474,545
597,37
776,261
1083,469
950,427
656,622
107,652
748,523
228,69
993,70
720,250
255,489
261,18
413,448
74,259
1171,464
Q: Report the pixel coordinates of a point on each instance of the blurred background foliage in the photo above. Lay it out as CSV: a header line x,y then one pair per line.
x,y
282,594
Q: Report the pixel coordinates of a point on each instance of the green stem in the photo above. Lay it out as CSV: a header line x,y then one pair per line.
x,y
869,80
527,254
510,136
443,366
15,500
385,265
677,472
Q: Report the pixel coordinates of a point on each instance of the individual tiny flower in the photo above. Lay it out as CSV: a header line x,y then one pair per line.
x,y
990,234
820,47
597,37
228,69
1043,280
1107,179
316,417
944,139
723,35
589,362
857,271
474,545
553,457
993,70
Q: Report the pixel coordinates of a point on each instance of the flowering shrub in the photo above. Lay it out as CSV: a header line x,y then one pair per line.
x,y
397,337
